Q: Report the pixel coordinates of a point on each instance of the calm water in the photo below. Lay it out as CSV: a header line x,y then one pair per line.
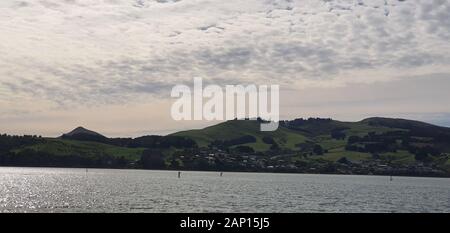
x,y
74,190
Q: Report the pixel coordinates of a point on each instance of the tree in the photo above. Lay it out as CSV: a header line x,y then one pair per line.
x,y
318,150
422,155
274,147
244,149
343,160
152,159
268,140
337,134
353,139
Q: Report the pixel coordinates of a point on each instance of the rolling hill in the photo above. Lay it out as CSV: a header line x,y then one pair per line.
x,y
397,140
300,145
288,135
237,128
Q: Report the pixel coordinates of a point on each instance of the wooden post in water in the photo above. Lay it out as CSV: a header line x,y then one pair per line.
x,y
179,174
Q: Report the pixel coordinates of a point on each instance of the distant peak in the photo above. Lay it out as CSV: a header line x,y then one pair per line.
x,y
81,130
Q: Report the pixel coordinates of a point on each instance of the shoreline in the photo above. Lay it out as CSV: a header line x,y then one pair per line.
x,y
225,172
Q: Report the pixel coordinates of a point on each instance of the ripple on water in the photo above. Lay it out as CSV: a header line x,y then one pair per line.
x,y
103,190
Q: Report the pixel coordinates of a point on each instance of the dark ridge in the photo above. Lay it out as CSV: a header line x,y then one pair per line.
x,y
83,134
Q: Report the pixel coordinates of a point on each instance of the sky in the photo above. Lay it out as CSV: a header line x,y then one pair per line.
x,y
109,65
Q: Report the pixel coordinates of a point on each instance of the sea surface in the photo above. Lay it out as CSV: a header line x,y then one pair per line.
x,y
108,190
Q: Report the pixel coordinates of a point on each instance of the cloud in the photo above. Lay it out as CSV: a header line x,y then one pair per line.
x,y
90,52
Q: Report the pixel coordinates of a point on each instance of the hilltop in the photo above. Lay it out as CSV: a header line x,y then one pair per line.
x,y
235,129
83,134
82,131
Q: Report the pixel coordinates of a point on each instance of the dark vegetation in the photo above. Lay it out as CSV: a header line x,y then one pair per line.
x,y
86,150
234,141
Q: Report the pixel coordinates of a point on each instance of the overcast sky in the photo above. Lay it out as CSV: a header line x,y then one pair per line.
x,y
109,65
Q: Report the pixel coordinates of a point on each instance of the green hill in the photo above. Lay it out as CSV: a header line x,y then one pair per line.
x,y
396,140
371,146
237,128
289,135
86,149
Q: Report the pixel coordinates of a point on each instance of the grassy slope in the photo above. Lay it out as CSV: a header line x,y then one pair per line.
x,y
287,138
232,129
63,147
336,148
335,154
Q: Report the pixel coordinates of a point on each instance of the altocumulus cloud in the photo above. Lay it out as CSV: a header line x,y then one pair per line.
x,y
88,52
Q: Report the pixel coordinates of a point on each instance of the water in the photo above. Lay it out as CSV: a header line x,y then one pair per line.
x,y
104,190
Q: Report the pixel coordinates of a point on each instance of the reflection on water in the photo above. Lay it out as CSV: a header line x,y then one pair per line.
x,y
103,190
